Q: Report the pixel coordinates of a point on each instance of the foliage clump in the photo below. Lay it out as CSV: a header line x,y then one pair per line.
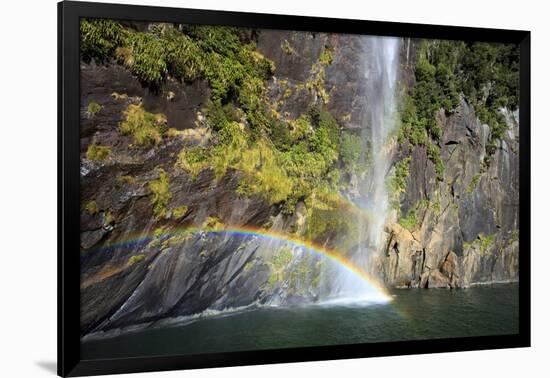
x,y
99,38
161,195
135,259
193,160
326,56
91,207
180,211
316,82
434,154
410,220
93,108
483,242
264,174
473,184
146,128
400,175
213,223
108,219
97,153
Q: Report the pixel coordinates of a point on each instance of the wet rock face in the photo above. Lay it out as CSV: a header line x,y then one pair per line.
x,y
103,83
296,56
154,279
467,224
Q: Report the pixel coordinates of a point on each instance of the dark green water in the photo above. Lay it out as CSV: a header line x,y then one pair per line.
x,y
413,314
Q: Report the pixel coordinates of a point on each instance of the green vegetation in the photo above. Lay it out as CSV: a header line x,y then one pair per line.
x,y
473,184
263,173
145,56
485,243
98,153
326,136
158,232
193,160
401,173
397,182
280,260
486,74
180,211
283,161
514,236
287,165
93,108
224,56
161,194
91,207
326,217
108,218
434,154
287,161
99,39
413,128
436,207
146,128
326,56
287,48
135,259
316,82
410,220
350,150
213,223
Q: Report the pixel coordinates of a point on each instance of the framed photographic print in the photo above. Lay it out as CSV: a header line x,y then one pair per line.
x,y
240,188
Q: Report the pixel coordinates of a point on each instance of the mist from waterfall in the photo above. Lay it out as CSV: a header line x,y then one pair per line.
x,y
381,71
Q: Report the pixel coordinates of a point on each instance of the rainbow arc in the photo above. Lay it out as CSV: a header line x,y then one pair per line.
x,y
306,245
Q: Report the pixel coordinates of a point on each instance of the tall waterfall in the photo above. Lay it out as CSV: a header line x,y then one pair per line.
x,y
381,72
380,85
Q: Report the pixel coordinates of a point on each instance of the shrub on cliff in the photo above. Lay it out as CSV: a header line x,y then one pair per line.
x,y
161,195
98,153
92,109
146,128
99,38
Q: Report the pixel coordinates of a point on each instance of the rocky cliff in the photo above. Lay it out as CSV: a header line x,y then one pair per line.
x,y
158,190
464,228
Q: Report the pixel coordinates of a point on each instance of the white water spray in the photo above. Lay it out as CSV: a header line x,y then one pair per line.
x,y
381,64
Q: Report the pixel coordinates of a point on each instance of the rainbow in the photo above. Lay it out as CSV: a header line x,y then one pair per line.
x,y
246,231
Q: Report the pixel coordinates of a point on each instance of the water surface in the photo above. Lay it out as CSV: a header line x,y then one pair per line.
x,y
412,315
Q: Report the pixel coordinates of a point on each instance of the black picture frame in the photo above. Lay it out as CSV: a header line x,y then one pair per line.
x,y
69,361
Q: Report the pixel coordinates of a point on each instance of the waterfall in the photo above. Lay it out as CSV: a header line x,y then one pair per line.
x,y
380,86
381,71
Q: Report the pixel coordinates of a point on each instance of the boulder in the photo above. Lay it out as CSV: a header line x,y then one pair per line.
x,y
434,279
